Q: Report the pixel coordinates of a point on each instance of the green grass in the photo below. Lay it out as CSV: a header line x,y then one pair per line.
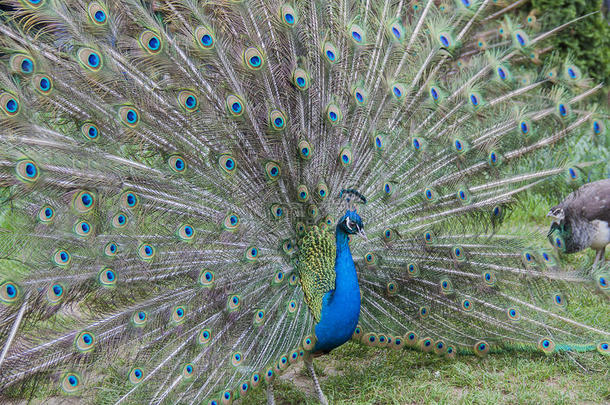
x,y
356,374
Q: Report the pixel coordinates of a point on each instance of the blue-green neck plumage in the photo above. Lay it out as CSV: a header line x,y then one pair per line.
x,y
340,307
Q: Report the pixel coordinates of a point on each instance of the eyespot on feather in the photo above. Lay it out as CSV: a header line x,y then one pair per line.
x,y
151,42
333,114
300,78
111,249
83,228
227,163
139,318
129,116
55,293
84,341
46,214
253,58
62,258
330,53
21,63
71,383
305,150
9,292
136,375
90,131
97,13
177,163
178,314
205,336
277,120
288,15
107,277
188,101
204,38
234,105
27,171
83,201
89,59
9,104
231,221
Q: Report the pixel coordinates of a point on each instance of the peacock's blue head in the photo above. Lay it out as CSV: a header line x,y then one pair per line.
x,y
351,224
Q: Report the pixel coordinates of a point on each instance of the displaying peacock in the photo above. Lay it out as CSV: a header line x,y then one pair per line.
x,y
186,187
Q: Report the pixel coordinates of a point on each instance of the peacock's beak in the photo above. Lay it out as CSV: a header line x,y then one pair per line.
x,y
362,234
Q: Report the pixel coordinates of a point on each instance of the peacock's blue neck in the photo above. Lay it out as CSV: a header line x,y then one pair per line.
x,y
340,307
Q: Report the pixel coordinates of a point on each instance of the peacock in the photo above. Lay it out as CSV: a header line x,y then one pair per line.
x,y
197,194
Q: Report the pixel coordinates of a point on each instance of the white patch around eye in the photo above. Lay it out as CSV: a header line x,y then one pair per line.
x,y
348,224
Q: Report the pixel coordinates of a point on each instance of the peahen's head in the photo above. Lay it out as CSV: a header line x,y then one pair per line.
x,y
557,214
351,224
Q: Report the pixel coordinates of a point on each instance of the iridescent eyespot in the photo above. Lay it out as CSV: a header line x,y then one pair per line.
x,y
83,228
312,211
466,3
206,278
129,116
294,279
236,359
231,221
481,348
234,105
83,201
259,317
345,156
111,249
188,101
136,375
27,171
227,163
446,286
251,253
411,338
46,214
489,278
502,72
177,163
572,173
97,13
445,39
302,193
243,388
9,292
9,104
481,44
233,302
547,258
520,38
463,195
139,318
288,15
475,99
300,228
61,258
186,232
204,37
494,158
563,110
329,220
89,59
458,253
21,63
179,314
370,258
546,345
333,114
388,188
84,341
513,314
187,371
388,235
357,34
603,282
322,190
426,344
279,277
305,150
288,247
598,127
430,195
272,170
120,220
43,84
253,58
107,277
604,348
435,93
90,131
412,270
440,347
309,343
330,52
277,120
391,288
55,292
396,30
151,42
467,305
227,397
360,96
269,375
70,383
129,200
399,91
205,336
291,306
559,300
300,78
277,211
146,252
